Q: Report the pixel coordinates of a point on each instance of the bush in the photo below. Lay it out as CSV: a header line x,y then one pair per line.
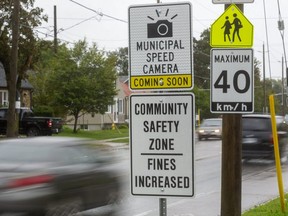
x,y
46,111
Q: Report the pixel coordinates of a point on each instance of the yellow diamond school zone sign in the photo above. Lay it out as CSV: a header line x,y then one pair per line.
x,y
160,47
232,29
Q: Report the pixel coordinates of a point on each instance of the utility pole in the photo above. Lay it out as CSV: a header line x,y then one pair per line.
x,y
264,81
12,125
231,181
283,91
55,29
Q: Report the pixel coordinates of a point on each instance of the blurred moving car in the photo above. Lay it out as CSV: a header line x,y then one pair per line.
x,y
257,137
55,176
210,128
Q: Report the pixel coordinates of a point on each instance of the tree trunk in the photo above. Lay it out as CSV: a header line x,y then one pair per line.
x,y
12,121
75,123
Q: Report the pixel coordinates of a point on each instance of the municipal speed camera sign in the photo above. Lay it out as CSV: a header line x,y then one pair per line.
x,y
232,81
160,47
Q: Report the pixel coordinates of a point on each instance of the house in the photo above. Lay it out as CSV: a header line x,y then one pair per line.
x,y
25,91
116,114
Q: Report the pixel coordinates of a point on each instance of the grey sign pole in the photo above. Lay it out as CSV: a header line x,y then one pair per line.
x,y
162,201
163,207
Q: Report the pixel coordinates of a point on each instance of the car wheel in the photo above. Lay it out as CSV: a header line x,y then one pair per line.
x,y
33,131
69,207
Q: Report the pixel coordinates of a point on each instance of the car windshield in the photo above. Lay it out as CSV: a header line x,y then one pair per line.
x,y
211,123
259,124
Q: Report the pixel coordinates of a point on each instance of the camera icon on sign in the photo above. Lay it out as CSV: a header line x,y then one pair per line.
x,y
162,28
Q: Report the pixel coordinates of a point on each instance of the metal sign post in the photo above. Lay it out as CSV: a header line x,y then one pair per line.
x,y
163,207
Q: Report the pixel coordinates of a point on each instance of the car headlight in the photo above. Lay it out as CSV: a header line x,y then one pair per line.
x,y
201,131
217,131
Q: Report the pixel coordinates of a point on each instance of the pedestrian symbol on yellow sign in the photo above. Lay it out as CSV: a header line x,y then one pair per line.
x,y
231,29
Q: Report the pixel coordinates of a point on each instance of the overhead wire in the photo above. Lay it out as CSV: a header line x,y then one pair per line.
x,y
281,30
99,13
266,30
78,23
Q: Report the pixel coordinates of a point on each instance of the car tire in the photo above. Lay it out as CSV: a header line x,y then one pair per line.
x,y
33,131
69,207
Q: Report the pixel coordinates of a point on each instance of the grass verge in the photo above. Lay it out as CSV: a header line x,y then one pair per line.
x,y
97,135
272,208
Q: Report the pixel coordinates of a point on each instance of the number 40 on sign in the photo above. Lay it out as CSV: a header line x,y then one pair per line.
x,y
232,81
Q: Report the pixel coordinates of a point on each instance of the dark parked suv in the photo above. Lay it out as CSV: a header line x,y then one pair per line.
x,y
257,137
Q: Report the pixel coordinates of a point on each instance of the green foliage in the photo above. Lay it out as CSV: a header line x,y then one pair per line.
x,y
43,111
98,135
202,60
122,61
85,82
272,208
202,102
31,17
47,64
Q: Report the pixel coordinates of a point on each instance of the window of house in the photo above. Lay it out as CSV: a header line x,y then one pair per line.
x,y
109,109
4,98
84,127
3,113
120,106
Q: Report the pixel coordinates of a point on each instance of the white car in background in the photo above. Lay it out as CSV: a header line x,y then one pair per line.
x,y
210,128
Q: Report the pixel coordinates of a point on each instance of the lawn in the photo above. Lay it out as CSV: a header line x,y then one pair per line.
x,y
97,135
272,208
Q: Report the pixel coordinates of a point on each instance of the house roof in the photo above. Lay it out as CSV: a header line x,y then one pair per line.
x,y
3,83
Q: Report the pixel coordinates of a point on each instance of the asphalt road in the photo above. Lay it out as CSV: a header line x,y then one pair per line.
x,y
259,184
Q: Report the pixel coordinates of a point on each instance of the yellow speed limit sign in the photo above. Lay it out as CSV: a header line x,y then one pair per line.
x,y
160,47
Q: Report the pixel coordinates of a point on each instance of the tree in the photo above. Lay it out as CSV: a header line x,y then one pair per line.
x,y
202,60
47,63
87,83
17,18
122,61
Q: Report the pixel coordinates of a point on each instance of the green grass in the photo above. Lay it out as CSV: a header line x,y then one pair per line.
x,y
97,135
272,208
124,140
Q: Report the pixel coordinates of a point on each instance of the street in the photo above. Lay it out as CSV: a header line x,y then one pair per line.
x,y
259,184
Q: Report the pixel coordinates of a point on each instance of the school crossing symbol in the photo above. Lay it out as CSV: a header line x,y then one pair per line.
x,y
231,29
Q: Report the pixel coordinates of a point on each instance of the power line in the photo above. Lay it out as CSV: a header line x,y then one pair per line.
x,y
281,30
99,13
77,24
50,35
267,38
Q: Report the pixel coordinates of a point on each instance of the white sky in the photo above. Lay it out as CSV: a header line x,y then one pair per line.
x,y
111,34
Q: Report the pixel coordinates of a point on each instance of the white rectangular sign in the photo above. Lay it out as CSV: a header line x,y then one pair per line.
x,y
232,81
160,46
232,1
162,144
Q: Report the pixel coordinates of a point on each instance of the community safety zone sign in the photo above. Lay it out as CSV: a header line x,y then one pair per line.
x,y
162,144
160,47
